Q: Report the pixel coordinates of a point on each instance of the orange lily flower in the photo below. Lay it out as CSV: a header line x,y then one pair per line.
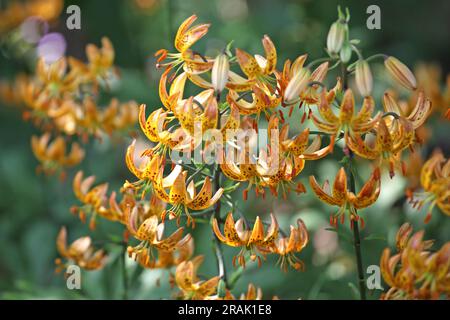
x,y
435,180
345,199
347,121
180,196
255,241
154,129
263,100
415,272
148,169
150,232
298,146
388,143
167,259
94,199
192,288
286,247
185,38
80,252
53,156
416,116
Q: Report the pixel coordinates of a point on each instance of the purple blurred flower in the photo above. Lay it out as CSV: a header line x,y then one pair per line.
x,y
52,47
33,28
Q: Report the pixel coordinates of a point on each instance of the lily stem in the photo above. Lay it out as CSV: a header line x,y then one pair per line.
x,y
124,272
217,244
356,234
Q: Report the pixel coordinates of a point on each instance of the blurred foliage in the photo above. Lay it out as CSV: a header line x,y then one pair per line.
x,y
33,208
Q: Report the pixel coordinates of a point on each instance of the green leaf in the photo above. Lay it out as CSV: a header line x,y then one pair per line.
x,y
354,290
375,237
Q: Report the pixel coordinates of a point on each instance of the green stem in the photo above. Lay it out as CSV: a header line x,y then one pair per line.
x,y
124,272
356,234
217,244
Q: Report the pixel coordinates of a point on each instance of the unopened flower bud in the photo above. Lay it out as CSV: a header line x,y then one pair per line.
x,y
401,73
346,52
220,70
296,85
364,80
336,37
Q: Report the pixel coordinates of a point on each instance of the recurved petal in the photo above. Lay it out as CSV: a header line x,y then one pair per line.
x,y
207,288
366,111
231,236
320,193
340,186
272,231
232,121
61,242
187,36
324,126
387,265
420,112
177,192
129,160
402,237
271,55
248,63
257,235
202,198
148,229
370,191
184,275
347,107
325,110
428,169
171,242
359,147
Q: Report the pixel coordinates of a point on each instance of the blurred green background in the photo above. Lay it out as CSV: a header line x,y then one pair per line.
x,y
33,208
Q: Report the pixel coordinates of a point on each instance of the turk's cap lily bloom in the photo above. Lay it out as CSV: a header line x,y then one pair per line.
x,y
418,114
190,285
54,154
286,247
154,129
148,168
348,121
415,272
94,199
263,100
258,67
237,234
180,196
385,143
401,73
435,180
99,65
151,233
187,35
167,259
80,252
299,146
340,196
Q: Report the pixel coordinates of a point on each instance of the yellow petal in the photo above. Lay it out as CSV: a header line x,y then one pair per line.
x,y
257,235
340,186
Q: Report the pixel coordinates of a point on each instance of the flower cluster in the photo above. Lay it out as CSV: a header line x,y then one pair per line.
x,y
416,272
244,122
61,100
